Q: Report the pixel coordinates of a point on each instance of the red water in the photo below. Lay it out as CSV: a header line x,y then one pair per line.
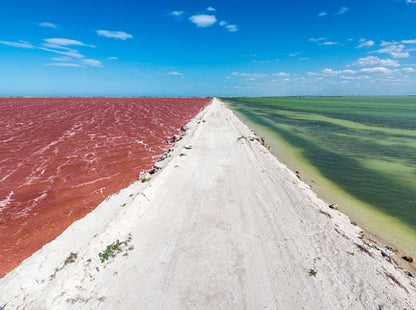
x,y
60,157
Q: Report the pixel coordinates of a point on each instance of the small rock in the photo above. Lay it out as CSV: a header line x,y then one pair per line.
x,y
389,250
176,137
353,223
146,177
298,174
158,165
386,256
408,259
333,206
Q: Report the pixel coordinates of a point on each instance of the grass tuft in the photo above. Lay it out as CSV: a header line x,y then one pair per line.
x,y
313,272
110,251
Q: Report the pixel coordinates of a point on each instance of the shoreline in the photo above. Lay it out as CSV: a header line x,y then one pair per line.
x,y
223,224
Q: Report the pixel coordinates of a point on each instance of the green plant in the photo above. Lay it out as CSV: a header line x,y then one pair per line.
x,y
313,272
110,251
182,154
188,147
351,253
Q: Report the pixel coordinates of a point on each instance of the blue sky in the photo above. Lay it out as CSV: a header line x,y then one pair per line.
x,y
207,48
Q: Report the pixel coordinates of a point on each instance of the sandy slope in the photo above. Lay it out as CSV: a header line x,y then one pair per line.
x,y
225,226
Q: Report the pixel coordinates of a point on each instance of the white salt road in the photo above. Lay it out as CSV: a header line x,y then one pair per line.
x,y
224,226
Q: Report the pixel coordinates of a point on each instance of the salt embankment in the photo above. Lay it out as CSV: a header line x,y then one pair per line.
x,y
223,225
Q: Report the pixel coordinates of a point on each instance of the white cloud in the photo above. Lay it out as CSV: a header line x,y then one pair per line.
x,y
342,10
61,59
67,52
48,25
354,77
231,28
408,41
68,57
295,54
381,70
393,48
329,43
70,61
400,54
177,13
409,70
61,47
211,9
365,43
386,43
411,1
175,73
361,74
92,62
323,13
321,40
349,71
281,74
375,61
250,76
328,71
64,42
203,20
22,44
64,64
113,58
317,39
119,35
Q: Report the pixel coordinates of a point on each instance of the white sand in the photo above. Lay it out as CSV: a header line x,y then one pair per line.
x,y
226,226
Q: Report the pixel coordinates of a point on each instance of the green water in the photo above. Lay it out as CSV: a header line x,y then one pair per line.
x,y
357,151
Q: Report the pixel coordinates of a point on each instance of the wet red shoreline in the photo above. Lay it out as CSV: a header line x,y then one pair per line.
x,y
60,157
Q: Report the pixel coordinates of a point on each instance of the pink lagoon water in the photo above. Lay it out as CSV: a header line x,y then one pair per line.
x,y
60,157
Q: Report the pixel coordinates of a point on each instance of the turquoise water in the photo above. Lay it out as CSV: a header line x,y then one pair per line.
x,y
365,147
